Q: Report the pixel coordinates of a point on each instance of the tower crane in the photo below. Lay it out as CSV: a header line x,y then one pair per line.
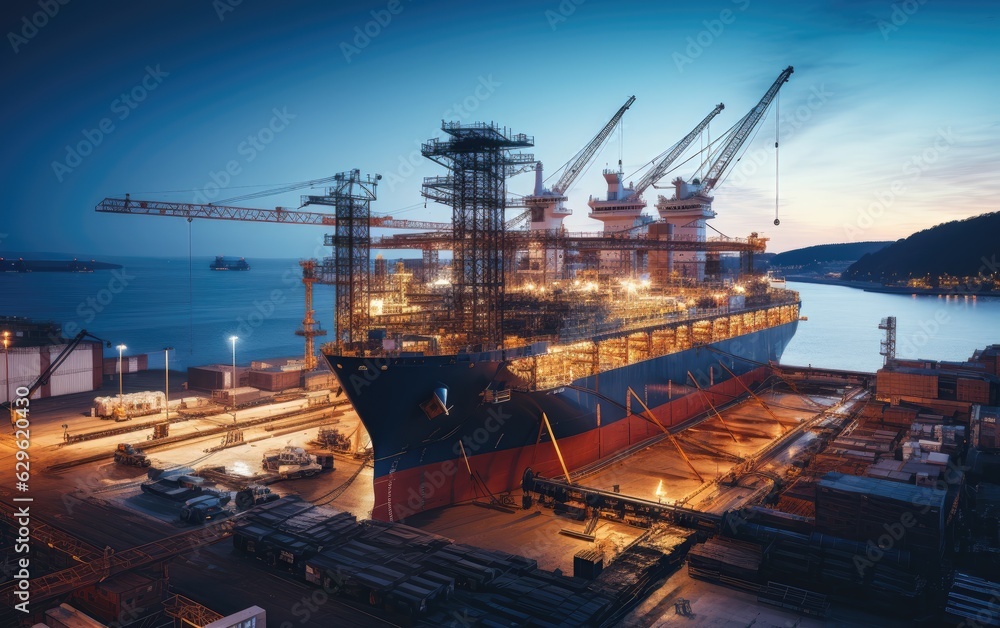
x,y
313,271
282,215
687,212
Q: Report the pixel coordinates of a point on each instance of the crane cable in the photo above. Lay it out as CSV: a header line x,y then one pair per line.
x,y
190,286
777,117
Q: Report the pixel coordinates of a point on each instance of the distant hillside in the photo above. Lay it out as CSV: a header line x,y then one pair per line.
x,y
962,248
825,253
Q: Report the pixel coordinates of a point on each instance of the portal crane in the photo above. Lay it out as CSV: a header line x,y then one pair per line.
x,y
546,208
623,205
661,166
742,132
687,213
547,205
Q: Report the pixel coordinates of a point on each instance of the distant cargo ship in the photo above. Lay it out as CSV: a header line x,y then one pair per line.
x,y
221,263
20,265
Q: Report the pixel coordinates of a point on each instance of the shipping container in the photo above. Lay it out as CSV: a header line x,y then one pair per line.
x,y
79,372
984,434
275,379
973,390
119,596
214,376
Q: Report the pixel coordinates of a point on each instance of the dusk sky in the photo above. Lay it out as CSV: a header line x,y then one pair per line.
x,y
888,125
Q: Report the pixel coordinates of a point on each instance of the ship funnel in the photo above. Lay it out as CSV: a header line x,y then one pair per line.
x,y
539,183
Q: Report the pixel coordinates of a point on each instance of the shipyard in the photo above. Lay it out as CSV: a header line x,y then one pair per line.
x,y
577,315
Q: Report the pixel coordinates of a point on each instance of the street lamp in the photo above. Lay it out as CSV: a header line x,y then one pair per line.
x,y
233,340
121,373
166,385
6,359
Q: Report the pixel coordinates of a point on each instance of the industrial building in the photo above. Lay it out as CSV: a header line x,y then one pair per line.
x,y
31,347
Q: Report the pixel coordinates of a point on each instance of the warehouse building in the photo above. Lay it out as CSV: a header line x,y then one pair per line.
x,y
33,346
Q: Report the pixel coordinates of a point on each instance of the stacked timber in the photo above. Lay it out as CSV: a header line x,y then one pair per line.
x,y
727,561
861,508
407,571
972,601
799,600
799,498
647,559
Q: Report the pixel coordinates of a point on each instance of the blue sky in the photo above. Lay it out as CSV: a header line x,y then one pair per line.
x,y
889,124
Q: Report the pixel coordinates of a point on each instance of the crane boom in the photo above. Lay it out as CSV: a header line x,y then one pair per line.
x,y
657,171
742,132
223,212
587,152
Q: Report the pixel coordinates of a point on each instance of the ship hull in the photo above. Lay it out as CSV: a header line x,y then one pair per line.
x,y
424,463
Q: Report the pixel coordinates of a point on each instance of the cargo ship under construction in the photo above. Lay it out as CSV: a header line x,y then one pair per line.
x,y
540,348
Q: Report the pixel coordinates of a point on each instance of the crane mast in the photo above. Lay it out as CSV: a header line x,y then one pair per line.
x,y
742,132
657,171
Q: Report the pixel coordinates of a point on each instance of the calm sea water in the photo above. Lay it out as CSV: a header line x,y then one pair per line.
x,y
842,330
151,304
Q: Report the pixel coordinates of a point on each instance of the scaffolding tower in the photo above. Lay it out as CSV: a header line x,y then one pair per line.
x,y
350,196
479,158
888,345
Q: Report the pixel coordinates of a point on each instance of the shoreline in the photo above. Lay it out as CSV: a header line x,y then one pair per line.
x,y
872,286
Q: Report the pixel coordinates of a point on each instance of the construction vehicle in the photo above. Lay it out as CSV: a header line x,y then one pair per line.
x,y
290,462
254,494
207,506
55,363
130,456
